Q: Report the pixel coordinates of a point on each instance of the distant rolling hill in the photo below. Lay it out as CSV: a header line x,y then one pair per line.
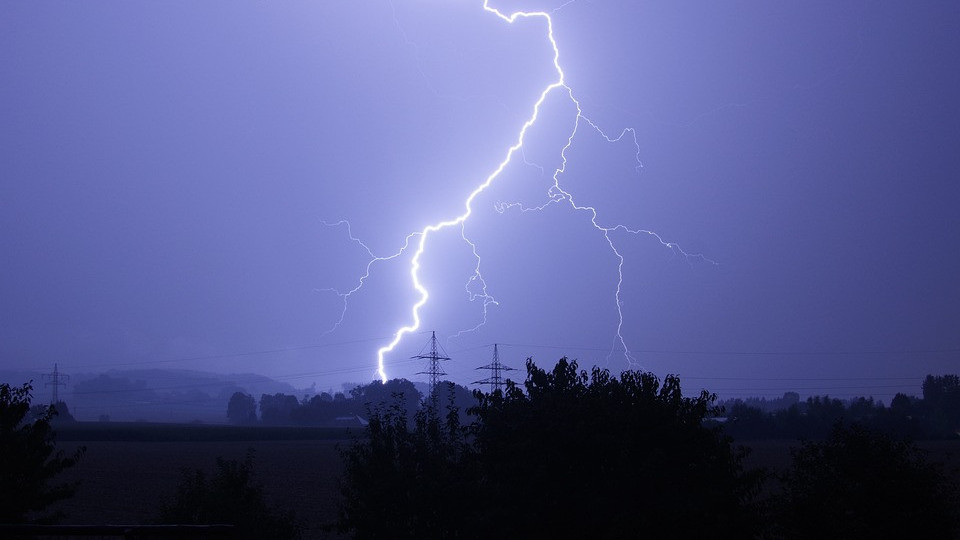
x,y
152,395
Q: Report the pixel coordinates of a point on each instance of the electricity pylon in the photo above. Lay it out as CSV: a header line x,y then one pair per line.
x,y
57,380
433,368
495,380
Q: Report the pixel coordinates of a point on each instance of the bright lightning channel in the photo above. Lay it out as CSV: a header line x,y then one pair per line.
x,y
476,286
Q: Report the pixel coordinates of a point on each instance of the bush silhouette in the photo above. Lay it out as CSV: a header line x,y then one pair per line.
x,y
230,496
407,478
860,483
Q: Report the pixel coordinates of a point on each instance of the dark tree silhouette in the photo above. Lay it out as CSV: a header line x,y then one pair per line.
x,y
597,456
864,484
230,496
574,456
278,409
336,410
380,396
906,417
29,460
902,405
941,396
61,413
450,393
408,478
242,409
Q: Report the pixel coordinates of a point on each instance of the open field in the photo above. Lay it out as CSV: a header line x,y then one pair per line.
x,y
775,454
146,431
125,477
124,481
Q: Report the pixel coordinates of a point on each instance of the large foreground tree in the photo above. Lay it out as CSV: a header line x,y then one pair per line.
x,y
29,460
600,456
570,455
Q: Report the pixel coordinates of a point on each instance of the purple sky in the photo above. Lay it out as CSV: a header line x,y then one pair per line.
x,y
166,169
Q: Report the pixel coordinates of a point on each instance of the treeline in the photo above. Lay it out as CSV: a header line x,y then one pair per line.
x,y
341,409
571,454
161,395
566,454
936,415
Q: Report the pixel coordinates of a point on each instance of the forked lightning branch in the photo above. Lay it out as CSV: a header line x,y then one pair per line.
x,y
419,241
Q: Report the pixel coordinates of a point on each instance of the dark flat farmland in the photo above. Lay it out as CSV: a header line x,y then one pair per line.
x,y
124,481
146,431
775,457
129,469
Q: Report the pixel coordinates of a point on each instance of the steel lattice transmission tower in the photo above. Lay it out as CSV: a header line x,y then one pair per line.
x,y
433,368
57,380
495,380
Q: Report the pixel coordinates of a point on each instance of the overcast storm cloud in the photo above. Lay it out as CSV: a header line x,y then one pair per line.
x,y
172,177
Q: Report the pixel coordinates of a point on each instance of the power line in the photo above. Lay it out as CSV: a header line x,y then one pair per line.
x,y
525,345
798,379
817,388
741,353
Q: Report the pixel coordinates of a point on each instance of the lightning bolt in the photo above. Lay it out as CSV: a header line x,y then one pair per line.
x,y
476,285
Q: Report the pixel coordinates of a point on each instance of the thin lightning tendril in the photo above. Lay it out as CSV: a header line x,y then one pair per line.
x,y
476,286
345,296
474,281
